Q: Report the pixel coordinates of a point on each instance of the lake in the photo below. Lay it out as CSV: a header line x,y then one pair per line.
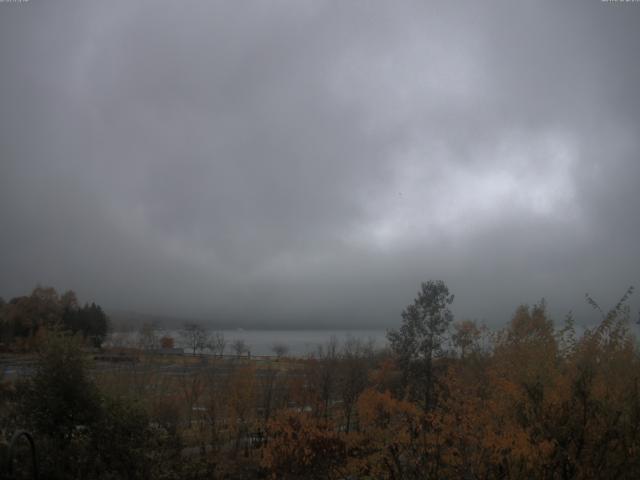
x,y
261,342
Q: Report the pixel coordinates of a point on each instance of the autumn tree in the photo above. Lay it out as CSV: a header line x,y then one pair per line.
x,y
322,376
420,339
82,433
217,343
301,445
270,390
387,445
241,396
24,316
216,401
596,431
239,346
280,349
167,342
528,342
90,320
148,336
60,395
194,336
6,329
192,386
353,367
466,337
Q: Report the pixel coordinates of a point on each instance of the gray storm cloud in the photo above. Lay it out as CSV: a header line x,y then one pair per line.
x,y
309,163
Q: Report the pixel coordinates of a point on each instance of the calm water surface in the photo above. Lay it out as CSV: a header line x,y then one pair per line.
x,y
299,342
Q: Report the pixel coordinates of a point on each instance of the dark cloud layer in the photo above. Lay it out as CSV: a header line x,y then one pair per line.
x,y
311,162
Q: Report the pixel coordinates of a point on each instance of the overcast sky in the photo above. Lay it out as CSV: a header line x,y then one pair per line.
x,y
311,162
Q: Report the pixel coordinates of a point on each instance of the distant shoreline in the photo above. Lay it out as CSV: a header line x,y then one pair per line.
x,y
299,342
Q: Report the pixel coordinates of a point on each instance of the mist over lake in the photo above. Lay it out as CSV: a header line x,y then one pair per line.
x,y
261,342
319,240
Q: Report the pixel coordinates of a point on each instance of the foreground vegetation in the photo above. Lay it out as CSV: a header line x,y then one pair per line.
x,y
447,400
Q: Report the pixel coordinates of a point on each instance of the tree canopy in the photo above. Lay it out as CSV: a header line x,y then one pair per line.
x,y
420,337
23,317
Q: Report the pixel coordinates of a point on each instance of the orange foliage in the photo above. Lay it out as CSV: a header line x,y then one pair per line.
x,y
301,444
167,342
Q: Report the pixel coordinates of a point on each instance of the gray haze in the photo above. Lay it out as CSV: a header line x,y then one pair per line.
x,y
310,162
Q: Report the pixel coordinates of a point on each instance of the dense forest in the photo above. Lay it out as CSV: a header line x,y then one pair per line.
x,y
446,399
23,318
